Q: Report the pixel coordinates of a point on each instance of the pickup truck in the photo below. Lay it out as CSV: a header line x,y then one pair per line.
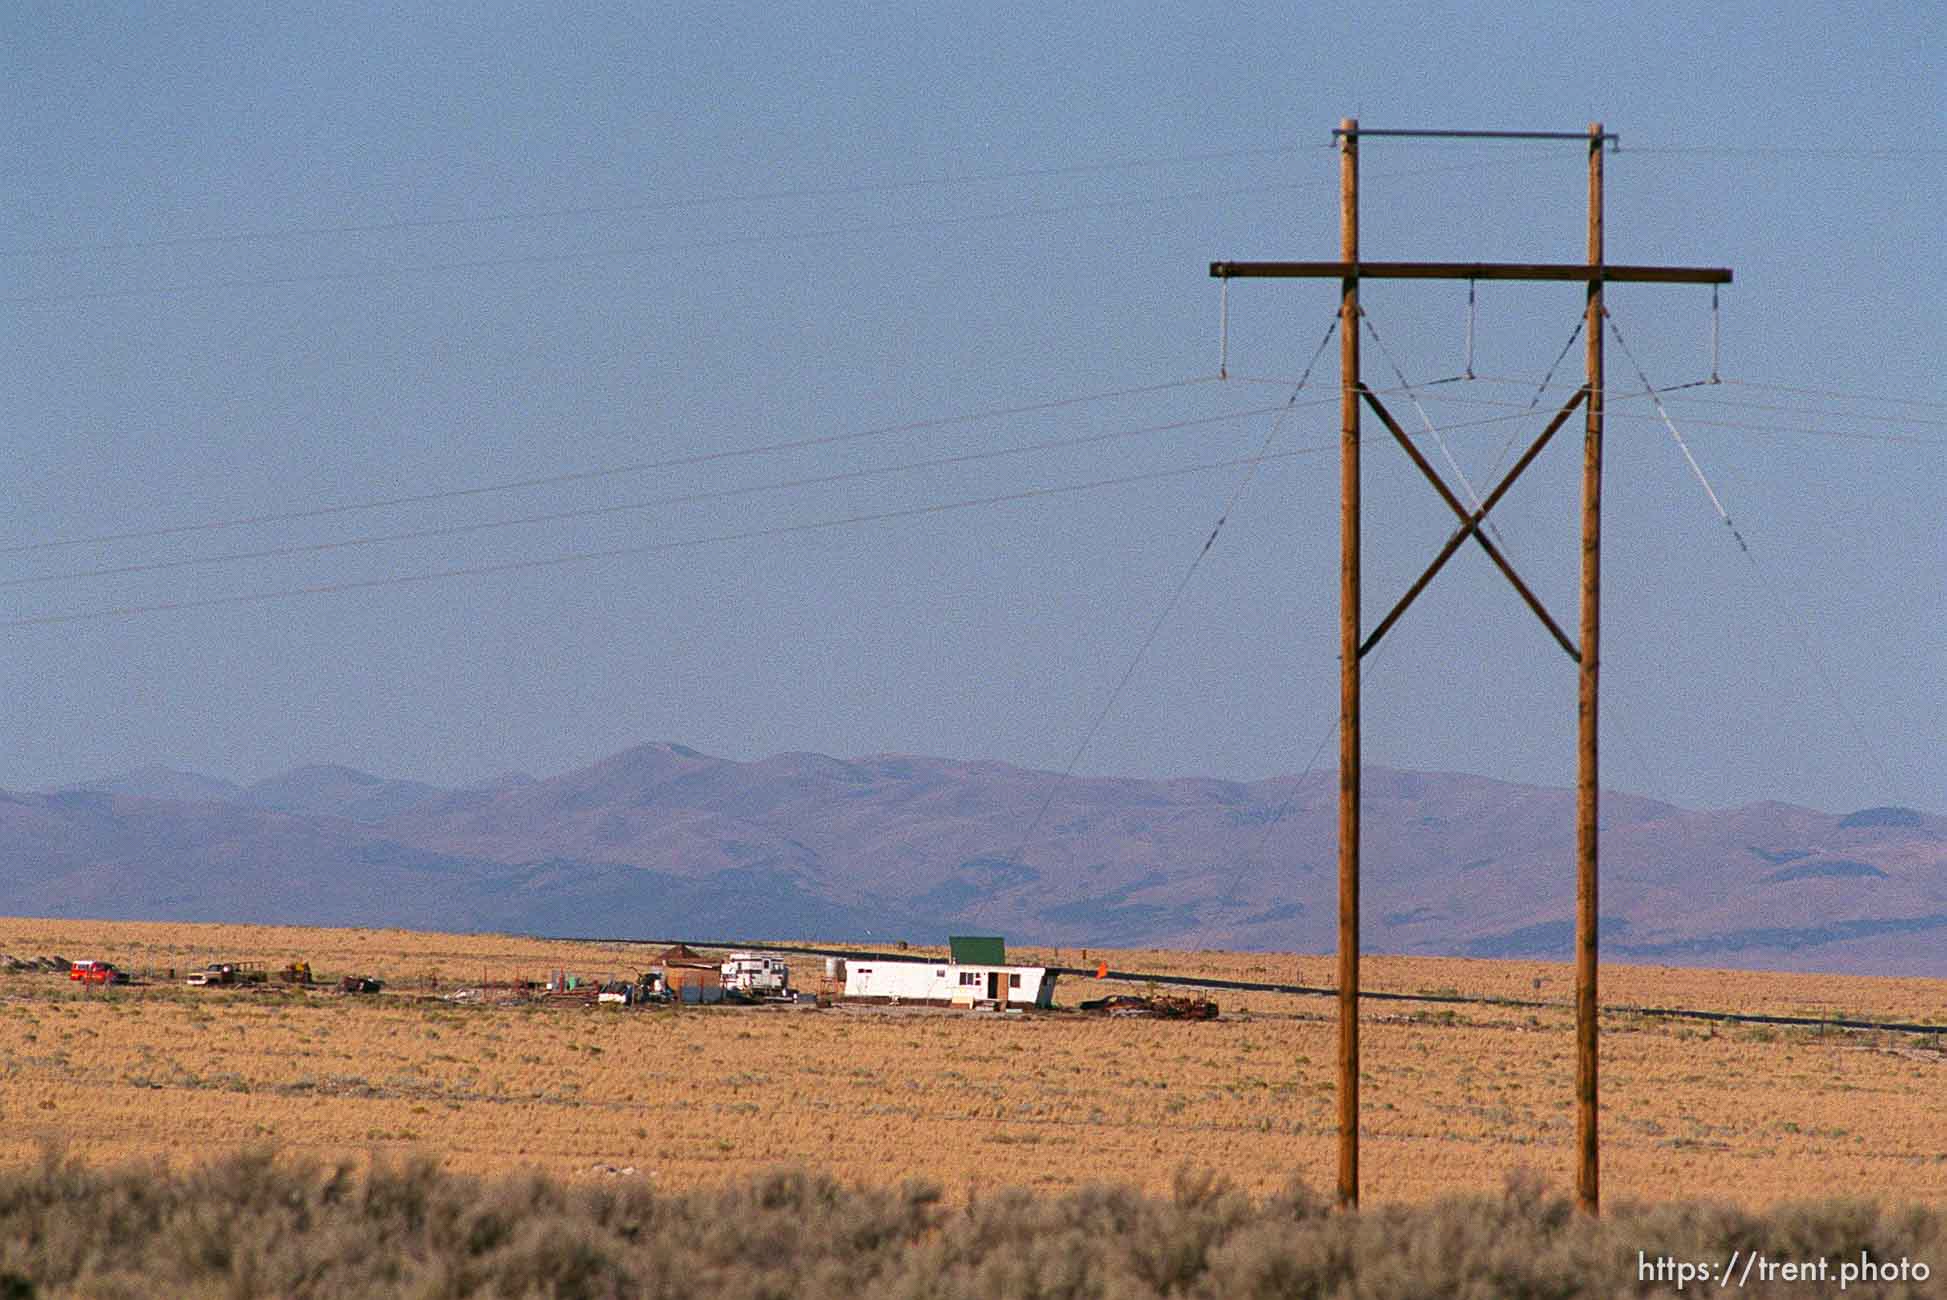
x,y
226,973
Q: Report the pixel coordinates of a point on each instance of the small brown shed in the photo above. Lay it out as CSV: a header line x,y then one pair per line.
x,y
690,976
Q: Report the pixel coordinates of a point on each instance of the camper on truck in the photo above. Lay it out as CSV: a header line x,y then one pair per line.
x,y
754,975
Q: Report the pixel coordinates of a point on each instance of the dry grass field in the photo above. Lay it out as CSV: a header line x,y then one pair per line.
x,y
1456,1097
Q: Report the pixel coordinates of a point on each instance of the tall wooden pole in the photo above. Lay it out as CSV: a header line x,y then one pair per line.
x,y
1349,668
1587,1181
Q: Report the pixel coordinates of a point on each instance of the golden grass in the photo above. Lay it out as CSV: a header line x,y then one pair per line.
x,y
1455,1097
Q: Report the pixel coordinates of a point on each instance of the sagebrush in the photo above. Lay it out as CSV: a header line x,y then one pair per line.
x,y
257,1224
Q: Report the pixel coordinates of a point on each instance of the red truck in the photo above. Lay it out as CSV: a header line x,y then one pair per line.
x,y
97,972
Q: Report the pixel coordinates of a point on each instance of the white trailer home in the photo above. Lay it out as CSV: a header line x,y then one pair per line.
x,y
948,983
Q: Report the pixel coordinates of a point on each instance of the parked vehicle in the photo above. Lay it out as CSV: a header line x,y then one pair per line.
x,y
755,976
1123,1006
651,987
359,984
225,973
619,992
97,972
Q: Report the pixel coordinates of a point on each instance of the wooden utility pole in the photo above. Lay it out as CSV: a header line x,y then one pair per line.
x,y
1594,273
1588,1164
1349,666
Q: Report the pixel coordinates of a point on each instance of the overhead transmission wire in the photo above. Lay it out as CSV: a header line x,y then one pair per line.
x,y
445,494
1841,435
1520,408
1176,596
508,261
607,471
1792,619
511,260
843,190
688,498
1805,151
1735,403
463,492
1745,405
650,548
1511,411
651,205
1667,390
1839,395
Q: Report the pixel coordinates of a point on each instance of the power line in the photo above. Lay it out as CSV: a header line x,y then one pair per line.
x,y
1842,396
1691,397
649,548
609,471
1669,389
509,261
700,458
1843,435
1895,418
1726,382
650,205
1520,409
1789,151
850,189
1840,434
591,512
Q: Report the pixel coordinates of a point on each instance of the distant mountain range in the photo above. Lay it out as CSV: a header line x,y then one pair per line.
x,y
324,788
663,841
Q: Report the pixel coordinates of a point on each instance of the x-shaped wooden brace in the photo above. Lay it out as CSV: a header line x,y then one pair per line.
x,y
1470,521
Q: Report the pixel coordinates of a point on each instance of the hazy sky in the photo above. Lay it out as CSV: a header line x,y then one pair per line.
x,y
263,260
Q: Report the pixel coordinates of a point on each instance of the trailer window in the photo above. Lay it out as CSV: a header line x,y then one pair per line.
x,y
1014,981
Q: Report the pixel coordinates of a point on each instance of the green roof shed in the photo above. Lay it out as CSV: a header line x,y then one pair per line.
x,y
977,950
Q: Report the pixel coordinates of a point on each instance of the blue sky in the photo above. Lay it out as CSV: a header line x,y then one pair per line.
x,y
272,261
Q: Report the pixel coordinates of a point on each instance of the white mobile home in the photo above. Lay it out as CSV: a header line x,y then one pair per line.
x,y
947,983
